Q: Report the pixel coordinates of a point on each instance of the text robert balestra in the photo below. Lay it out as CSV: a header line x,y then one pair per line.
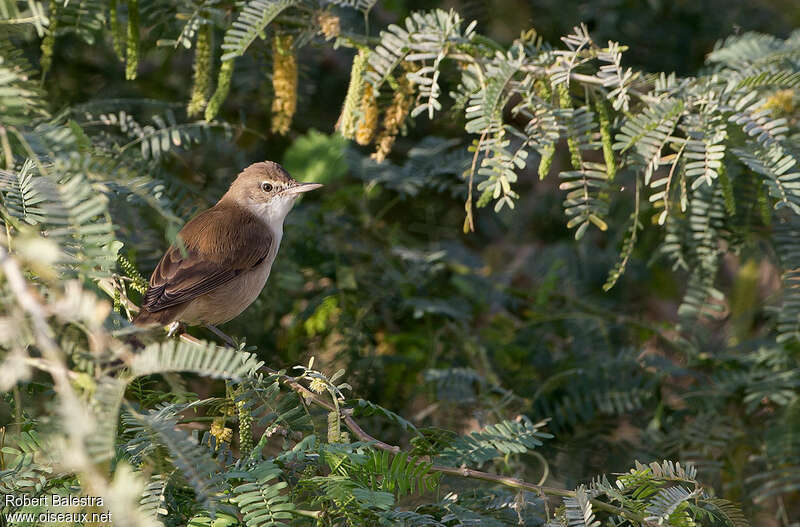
x,y
52,500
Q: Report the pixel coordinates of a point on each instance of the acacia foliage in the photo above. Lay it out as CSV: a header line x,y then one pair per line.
x,y
90,187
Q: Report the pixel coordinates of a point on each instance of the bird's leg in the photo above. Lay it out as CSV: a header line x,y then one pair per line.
x,y
175,328
216,331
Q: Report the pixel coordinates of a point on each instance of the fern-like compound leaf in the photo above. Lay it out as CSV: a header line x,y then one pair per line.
x,y
205,359
506,437
260,499
579,511
193,460
252,20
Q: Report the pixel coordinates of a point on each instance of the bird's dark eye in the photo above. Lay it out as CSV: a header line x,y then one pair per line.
x,y
266,187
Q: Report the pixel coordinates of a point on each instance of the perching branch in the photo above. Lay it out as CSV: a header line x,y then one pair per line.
x,y
346,416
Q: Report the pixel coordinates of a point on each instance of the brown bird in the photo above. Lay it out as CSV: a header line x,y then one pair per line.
x,y
227,254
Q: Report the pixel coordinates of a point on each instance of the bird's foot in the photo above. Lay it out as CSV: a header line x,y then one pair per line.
x,y
175,328
216,331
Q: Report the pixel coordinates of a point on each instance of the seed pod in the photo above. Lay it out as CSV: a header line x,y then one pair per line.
x,y
50,38
132,57
201,85
329,25
545,93
349,116
369,116
565,101
605,137
395,117
221,93
284,83
117,36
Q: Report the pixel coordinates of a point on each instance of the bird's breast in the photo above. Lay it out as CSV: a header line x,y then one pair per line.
x,y
230,299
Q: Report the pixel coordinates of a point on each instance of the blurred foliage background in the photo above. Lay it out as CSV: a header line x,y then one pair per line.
x,y
454,330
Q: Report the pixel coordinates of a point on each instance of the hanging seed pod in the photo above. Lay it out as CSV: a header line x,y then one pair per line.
x,y
545,93
565,101
50,39
284,83
132,57
221,93
117,36
605,138
369,116
329,24
201,84
394,117
349,116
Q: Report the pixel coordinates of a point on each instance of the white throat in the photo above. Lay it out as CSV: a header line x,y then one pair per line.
x,y
273,213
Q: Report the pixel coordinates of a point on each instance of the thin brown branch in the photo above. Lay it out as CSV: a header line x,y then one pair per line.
x,y
462,472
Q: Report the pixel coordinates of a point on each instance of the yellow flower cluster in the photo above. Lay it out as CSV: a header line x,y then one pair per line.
x,y
329,25
394,117
202,72
782,101
349,117
317,385
369,116
219,431
284,83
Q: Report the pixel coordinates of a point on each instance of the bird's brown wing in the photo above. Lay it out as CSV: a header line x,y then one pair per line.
x,y
220,244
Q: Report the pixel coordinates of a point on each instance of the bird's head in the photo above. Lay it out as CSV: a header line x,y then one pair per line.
x,y
267,190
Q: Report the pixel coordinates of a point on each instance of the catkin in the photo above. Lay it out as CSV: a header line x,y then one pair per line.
x,y
137,283
132,57
334,428
565,101
349,116
117,36
284,83
50,38
329,25
201,84
548,152
764,205
369,116
605,138
394,117
727,189
221,93
245,428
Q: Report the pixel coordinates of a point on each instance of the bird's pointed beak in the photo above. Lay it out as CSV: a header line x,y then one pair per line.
x,y
302,187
